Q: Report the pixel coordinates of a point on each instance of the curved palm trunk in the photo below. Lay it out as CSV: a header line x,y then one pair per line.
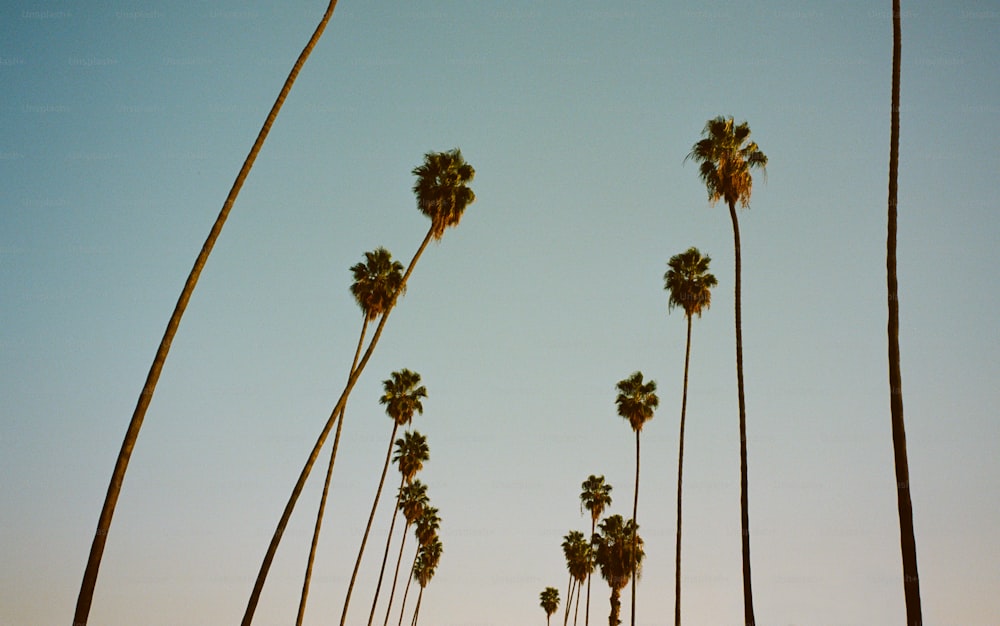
x,y
635,523
616,607
593,524
744,501
908,542
368,528
402,609
680,481
326,488
307,469
86,594
395,577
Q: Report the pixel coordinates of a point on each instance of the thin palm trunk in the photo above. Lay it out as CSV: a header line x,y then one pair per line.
x,y
569,601
635,525
300,484
908,542
680,481
86,595
371,518
744,500
326,488
576,611
416,611
402,609
593,524
395,577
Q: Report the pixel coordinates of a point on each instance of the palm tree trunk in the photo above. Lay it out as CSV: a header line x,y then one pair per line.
x,y
569,600
416,611
744,501
680,481
300,484
635,523
402,609
616,607
908,542
371,517
593,524
395,577
326,488
86,595
576,611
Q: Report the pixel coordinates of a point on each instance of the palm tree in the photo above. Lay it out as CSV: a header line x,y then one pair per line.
x,y
574,547
426,530
549,601
636,401
424,568
86,595
402,399
690,286
376,287
726,155
595,497
442,195
413,507
908,541
619,553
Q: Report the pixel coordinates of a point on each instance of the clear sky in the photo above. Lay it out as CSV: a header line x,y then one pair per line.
x,y
124,124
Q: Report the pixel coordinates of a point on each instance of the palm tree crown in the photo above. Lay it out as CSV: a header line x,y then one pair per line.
x,y
549,600
595,496
726,156
413,500
689,282
614,554
636,400
427,561
441,189
411,454
402,396
378,282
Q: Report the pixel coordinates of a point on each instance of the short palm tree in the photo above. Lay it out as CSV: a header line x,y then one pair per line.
x,y
376,287
618,552
89,582
423,570
908,540
636,402
426,530
402,397
595,497
579,564
690,285
443,195
725,156
549,601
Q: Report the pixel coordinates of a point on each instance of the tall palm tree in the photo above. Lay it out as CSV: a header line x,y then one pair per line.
x,y
376,287
426,530
443,195
690,285
427,561
549,601
618,551
726,155
412,508
89,582
636,402
595,497
908,541
402,399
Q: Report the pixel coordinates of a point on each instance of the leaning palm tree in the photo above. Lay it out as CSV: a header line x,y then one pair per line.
x,y
424,569
636,402
412,508
595,497
726,155
549,601
442,195
376,287
87,586
426,530
690,285
402,399
618,552
908,541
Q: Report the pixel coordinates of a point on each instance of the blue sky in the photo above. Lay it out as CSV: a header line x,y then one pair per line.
x,y
123,126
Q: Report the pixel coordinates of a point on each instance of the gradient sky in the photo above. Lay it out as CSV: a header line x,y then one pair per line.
x,y
124,124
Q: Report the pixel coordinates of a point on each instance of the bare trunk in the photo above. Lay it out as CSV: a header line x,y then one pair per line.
x,y
300,484
908,542
569,601
576,611
416,611
326,488
368,528
680,481
409,579
395,577
86,595
744,498
635,523
593,524
616,607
